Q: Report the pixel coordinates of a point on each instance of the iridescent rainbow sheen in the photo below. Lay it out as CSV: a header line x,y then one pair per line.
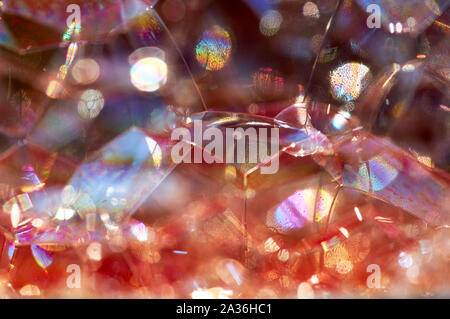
x,y
71,53
72,30
147,27
348,81
42,257
214,49
302,207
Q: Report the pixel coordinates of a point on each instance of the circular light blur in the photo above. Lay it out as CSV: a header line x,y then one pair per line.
x,y
405,260
344,266
94,251
30,290
311,10
214,49
149,74
411,22
85,71
270,23
146,52
348,81
91,103
305,291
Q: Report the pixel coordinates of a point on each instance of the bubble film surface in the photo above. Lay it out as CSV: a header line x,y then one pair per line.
x,y
224,149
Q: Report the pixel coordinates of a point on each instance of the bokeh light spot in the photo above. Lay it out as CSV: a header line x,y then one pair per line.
x,y
311,10
349,80
270,23
85,71
214,49
90,104
149,74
